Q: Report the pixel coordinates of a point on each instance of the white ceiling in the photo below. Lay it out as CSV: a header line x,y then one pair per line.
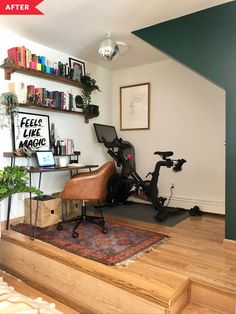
x,y
78,26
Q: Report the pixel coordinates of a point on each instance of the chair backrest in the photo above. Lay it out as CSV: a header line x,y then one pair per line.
x,y
90,185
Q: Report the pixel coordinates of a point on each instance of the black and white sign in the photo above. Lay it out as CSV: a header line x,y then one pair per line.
x,y
31,130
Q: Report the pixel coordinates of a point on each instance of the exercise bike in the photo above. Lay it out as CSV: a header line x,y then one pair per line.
x,y
130,181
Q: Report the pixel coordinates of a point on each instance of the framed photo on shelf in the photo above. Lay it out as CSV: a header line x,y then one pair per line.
x,y
31,130
135,107
78,68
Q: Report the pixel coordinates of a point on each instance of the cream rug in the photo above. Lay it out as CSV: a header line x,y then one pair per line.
x,y
12,302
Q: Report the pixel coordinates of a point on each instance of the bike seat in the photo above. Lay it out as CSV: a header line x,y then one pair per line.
x,y
164,155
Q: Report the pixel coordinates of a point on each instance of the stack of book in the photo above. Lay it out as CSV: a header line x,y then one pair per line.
x,y
41,96
23,57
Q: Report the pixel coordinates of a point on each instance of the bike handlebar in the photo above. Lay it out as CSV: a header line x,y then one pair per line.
x,y
178,165
119,143
116,143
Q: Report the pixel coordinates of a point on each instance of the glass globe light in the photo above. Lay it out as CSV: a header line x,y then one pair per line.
x,y
108,48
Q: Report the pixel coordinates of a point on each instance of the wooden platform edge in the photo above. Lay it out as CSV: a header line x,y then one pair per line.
x,y
216,299
229,244
28,291
89,267
180,299
50,293
25,261
13,221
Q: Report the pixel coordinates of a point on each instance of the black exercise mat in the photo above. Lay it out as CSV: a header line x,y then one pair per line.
x,y
144,212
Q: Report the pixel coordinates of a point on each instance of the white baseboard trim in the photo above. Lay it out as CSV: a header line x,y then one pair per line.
x,y
215,207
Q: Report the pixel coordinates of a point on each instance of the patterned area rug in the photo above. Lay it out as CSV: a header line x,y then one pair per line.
x,y
118,245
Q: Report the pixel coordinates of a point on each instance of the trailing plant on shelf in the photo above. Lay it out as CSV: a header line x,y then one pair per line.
x,y
8,105
15,180
88,86
9,62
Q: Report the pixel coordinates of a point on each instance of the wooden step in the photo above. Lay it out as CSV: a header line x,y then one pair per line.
x,y
207,299
197,309
159,282
78,280
214,298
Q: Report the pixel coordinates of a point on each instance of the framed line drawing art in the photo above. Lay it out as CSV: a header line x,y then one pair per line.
x,y
78,69
31,130
135,107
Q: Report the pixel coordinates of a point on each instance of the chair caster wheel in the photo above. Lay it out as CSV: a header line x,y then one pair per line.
x,y
75,234
59,227
105,230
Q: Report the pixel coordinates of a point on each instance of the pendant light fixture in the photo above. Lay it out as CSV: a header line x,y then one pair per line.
x,y
108,48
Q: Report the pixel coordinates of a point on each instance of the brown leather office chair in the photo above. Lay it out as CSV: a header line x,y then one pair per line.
x,y
88,186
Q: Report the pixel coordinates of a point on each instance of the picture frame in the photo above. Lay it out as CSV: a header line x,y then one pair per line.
x,y
135,107
78,68
31,131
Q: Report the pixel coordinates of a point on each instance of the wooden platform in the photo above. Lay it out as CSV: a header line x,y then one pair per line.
x,y
27,291
191,269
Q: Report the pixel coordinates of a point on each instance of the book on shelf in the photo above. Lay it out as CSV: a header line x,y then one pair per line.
x,y
41,60
66,107
20,55
34,58
62,100
20,89
55,96
59,98
14,54
23,56
39,95
71,102
28,58
30,93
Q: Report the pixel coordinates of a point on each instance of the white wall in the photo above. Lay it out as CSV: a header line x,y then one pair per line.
x,y
188,117
70,126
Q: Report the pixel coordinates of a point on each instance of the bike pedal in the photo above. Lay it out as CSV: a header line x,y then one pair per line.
x,y
195,211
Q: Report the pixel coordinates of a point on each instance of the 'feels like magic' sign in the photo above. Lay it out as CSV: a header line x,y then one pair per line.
x,y
31,130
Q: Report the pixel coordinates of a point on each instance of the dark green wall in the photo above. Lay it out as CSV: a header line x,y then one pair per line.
x,y
206,42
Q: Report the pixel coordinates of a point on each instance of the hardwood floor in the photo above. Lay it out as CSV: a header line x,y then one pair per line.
x,y
162,281
195,249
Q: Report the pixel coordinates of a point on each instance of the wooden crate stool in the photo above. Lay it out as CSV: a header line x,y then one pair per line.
x,y
70,209
49,212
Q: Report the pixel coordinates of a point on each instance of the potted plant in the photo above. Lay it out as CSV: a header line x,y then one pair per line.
x,y
8,105
15,180
88,86
79,103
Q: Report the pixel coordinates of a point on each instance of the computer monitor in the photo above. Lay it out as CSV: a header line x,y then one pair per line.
x,y
105,131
